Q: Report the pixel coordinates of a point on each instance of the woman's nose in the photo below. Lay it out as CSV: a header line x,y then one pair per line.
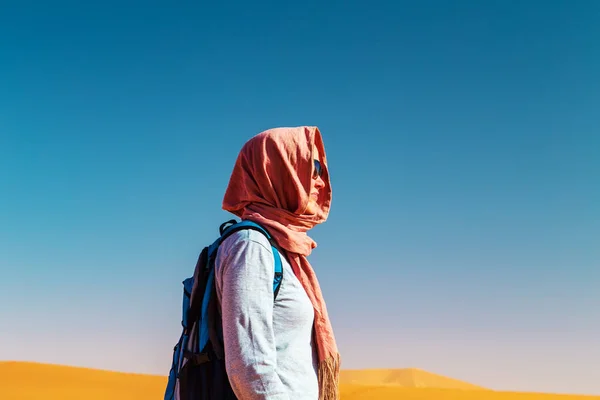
x,y
319,182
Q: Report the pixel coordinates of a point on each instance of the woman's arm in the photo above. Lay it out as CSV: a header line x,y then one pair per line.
x,y
245,278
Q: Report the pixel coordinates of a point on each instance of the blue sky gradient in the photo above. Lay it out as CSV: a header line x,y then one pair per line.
x,y
464,148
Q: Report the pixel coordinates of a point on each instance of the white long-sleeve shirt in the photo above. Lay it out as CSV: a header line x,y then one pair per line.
x,y
269,348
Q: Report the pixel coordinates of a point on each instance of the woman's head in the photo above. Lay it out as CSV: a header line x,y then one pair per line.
x,y
283,172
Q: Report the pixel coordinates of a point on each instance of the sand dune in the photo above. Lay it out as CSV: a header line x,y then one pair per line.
x,y
32,381
408,378
364,392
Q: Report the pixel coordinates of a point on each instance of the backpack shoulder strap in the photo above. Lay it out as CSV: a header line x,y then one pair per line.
x,y
245,224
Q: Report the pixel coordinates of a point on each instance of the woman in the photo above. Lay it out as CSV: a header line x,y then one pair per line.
x,y
282,349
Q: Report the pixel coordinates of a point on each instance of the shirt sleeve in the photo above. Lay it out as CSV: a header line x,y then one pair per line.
x,y
245,279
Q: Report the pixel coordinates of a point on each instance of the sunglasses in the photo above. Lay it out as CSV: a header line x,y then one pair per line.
x,y
318,171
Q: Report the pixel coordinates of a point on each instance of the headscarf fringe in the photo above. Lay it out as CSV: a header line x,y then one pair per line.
x,y
329,370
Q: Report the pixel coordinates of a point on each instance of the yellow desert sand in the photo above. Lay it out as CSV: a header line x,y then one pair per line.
x,y
33,381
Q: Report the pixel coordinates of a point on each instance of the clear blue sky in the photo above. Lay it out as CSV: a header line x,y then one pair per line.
x,y
464,148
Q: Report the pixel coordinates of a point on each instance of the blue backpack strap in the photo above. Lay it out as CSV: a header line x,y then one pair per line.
x,y
278,272
245,224
204,330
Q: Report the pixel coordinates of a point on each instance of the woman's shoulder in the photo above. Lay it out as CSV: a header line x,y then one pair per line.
x,y
244,256
243,240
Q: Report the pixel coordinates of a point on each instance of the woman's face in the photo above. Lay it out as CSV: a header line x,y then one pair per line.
x,y
316,186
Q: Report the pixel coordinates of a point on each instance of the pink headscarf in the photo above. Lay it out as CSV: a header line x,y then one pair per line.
x,y
270,185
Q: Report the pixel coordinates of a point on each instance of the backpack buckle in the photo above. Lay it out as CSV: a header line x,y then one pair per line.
x,y
197,358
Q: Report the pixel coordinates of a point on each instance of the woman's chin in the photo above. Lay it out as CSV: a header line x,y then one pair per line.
x,y
311,208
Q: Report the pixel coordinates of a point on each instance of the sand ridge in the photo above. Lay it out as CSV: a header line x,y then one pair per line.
x,y
407,377
36,381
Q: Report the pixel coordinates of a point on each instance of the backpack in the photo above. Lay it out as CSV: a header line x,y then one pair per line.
x,y
198,366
